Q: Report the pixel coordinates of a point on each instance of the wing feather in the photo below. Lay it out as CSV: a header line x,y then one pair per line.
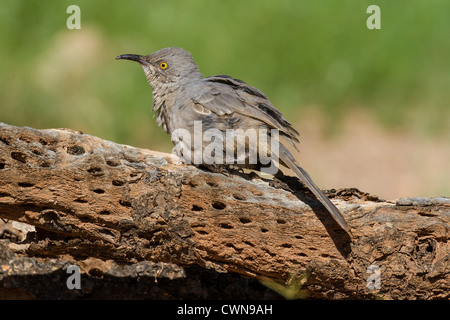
x,y
224,95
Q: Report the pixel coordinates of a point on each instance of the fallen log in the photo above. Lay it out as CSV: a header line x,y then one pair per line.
x,y
94,200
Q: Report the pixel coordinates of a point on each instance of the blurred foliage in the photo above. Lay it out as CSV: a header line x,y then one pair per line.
x,y
301,53
292,289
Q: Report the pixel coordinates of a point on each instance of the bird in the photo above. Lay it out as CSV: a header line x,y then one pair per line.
x,y
204,114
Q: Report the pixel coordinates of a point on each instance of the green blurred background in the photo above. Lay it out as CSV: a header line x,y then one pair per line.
x,y
304,54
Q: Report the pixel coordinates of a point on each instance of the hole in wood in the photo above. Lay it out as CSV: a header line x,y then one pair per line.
x,y
25,139
19,156
193,183
201,231
94,170
117,183
2,165
5,140
45,164
43,142
125,203
281,221
25,184
245,220
95,272
107,233
49,214
87,219
99,191
219,205
112,163
196,208
75,150
286,245
36,152
225,226
105,212
264,230
211,184
248,243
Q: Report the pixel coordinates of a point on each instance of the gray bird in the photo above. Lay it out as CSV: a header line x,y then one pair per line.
x,y
184,102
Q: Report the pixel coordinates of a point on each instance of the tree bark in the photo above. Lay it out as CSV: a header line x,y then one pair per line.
x,y
94,200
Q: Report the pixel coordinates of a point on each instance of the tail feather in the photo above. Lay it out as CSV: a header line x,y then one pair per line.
x,y
287,159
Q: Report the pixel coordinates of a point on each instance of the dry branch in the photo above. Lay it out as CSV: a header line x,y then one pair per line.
x,y
93,199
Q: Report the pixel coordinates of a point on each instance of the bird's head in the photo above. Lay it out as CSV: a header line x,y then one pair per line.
x,y
168,65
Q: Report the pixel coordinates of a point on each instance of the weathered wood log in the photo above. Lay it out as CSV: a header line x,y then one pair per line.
x,y
94,199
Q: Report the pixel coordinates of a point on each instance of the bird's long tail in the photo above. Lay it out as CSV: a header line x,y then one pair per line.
x,y
287,159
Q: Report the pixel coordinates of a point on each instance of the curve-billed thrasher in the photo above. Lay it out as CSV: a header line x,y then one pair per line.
x,y
195,110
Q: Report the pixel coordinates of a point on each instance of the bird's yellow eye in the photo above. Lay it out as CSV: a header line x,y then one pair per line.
x,y
163,65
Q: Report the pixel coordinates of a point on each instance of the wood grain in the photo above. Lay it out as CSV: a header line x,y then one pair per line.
x,y
92,198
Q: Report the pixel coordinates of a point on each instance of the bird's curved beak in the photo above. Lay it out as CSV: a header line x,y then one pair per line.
x,y
148,68
134,57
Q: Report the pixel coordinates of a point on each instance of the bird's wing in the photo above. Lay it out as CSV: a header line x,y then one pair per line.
x,y
224,95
